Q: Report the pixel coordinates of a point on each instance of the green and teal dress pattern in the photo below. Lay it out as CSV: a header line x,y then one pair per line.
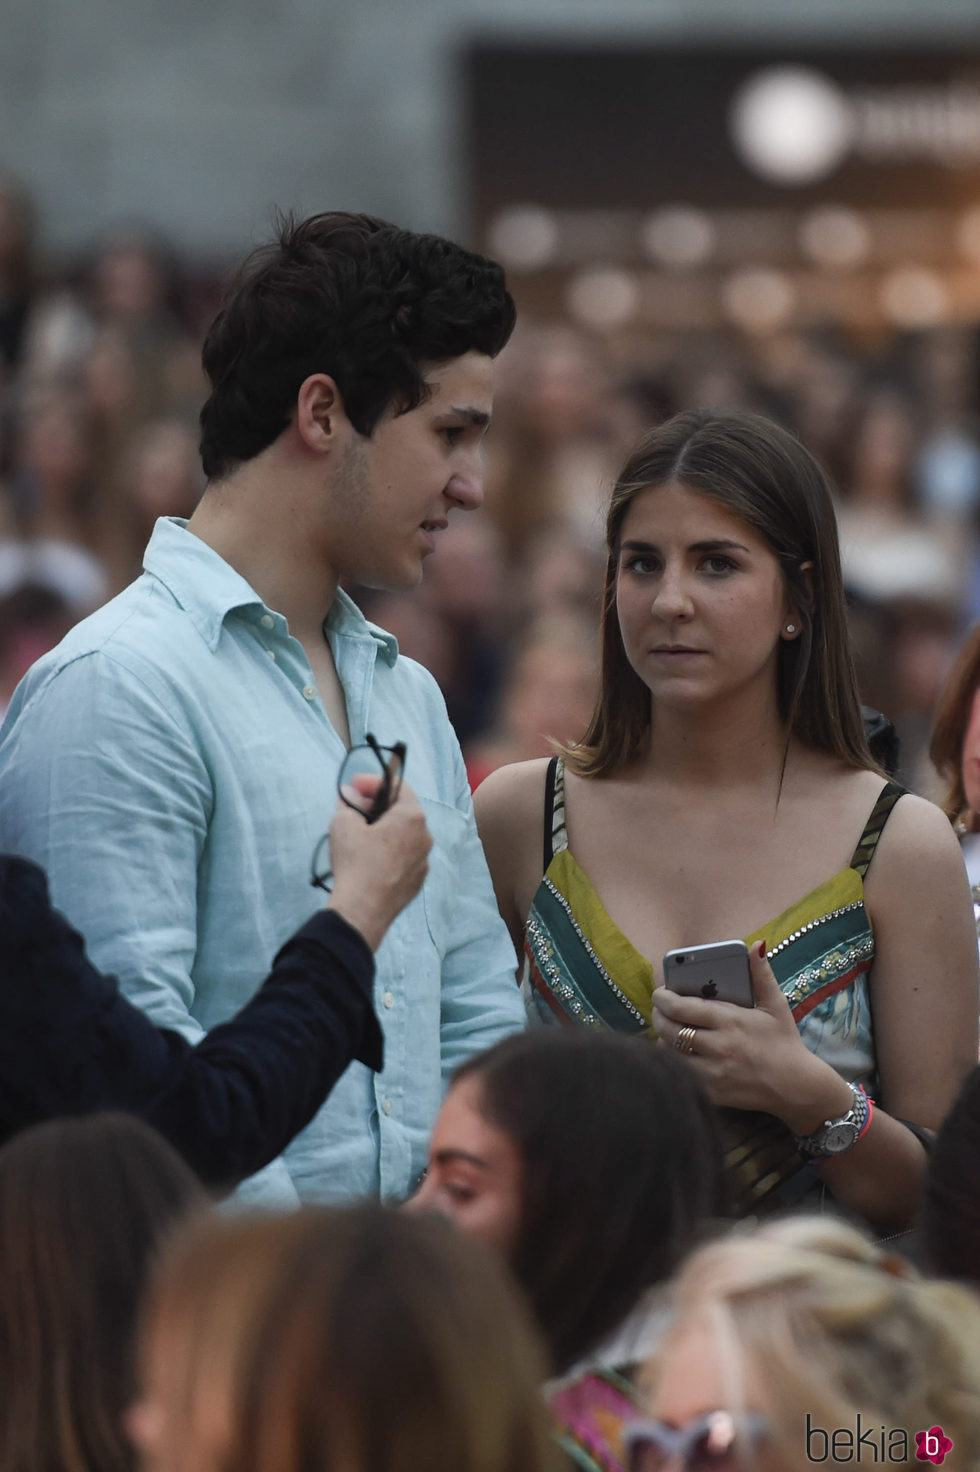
x,y
580,968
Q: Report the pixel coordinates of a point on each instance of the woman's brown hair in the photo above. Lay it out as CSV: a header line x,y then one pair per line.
x,y
763,475
949,729
356,1338
622,1172
84,1204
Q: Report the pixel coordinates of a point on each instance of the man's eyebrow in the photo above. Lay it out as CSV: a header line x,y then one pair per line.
x,y
446,1157
479,418
719,544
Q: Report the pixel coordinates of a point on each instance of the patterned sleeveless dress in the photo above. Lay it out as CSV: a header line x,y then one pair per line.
x,y
580,968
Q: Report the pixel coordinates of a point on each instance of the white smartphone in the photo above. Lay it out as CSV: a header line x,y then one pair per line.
x,y
719,972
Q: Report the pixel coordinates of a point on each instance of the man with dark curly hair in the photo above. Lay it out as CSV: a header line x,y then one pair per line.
x,y
173,763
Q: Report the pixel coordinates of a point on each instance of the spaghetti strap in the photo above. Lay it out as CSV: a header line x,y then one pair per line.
x,y
555,837
880,813
549,813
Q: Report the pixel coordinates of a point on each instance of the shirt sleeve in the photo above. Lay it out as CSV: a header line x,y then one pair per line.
x,y
104,786
481,1001
72,1043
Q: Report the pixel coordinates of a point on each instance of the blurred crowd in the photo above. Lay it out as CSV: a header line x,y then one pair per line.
x,y
100,386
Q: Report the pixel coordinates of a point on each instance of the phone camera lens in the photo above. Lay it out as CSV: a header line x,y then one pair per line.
x,y
681,960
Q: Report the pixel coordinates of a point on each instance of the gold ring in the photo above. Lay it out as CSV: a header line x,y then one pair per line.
x,y
684,1041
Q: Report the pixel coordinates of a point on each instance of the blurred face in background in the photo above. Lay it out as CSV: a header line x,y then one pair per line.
x,y
164,476
55,447
552,694
884,446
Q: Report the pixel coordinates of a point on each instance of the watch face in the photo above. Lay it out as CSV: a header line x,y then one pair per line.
x,y
839,1137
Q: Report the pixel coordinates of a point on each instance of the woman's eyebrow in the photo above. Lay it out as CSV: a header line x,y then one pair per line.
x,y
448,1156
715,544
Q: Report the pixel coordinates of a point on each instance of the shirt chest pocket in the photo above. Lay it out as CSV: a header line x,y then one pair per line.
x,y
444,888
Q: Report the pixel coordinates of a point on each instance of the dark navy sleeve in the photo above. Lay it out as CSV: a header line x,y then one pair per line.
x,y
70,1043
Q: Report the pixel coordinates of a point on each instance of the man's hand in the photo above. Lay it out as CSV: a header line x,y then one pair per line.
x,y
377,867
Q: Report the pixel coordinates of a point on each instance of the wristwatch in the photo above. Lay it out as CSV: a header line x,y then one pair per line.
x,y
837,1135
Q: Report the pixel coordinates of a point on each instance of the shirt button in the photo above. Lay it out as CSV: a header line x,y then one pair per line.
x,y
309,692
271,653
386,1106
388,999
268,622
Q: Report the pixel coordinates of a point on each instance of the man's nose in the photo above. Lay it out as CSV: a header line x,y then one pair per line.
x,y
465,487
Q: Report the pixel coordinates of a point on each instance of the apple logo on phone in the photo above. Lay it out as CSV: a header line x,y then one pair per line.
x,y
709,989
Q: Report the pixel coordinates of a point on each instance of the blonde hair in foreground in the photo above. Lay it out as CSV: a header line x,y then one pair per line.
x,y
831,1325
357,1339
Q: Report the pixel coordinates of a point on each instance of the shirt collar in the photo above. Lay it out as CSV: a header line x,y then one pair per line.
x,y
347,620
208,588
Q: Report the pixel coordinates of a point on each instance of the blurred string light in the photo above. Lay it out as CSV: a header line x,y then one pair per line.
x,y
678,236
603,297
791,125
914,297
524,237
758,299
835,238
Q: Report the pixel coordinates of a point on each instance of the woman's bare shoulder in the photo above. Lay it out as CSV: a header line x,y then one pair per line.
x,y
512,795
509,806
918,836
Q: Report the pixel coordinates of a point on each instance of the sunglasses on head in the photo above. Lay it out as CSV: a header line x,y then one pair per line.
x,y
714,1442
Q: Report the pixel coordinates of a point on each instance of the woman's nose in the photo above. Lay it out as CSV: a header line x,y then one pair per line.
x,y
672,598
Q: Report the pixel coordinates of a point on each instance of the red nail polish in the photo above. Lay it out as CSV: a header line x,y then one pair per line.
x,y
762,950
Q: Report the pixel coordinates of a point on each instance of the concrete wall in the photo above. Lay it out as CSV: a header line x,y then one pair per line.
x,y
200,115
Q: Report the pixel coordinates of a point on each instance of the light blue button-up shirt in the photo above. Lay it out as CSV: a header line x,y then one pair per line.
x,y
172,767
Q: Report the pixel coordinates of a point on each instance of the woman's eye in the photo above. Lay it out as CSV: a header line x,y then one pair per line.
x,y
460,1195
452,435
718,564
642,565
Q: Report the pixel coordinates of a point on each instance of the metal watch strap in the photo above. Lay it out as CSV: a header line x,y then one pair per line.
x,y
820,1144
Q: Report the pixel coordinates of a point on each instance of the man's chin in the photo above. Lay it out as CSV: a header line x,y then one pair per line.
x,y
392,580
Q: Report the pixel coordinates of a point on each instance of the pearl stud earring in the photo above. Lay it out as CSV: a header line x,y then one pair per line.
x,y
791,628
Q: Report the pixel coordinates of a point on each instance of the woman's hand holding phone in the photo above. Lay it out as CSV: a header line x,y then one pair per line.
x,y
748,1057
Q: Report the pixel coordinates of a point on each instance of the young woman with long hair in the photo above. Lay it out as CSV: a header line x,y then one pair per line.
x,y
725,789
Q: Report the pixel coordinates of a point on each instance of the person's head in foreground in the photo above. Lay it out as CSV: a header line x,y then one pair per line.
x,y
355,1340
352,361
84,1205
796,1340
590,1161
760,504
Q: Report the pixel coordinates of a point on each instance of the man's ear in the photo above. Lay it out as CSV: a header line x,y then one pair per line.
x,y
319,412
